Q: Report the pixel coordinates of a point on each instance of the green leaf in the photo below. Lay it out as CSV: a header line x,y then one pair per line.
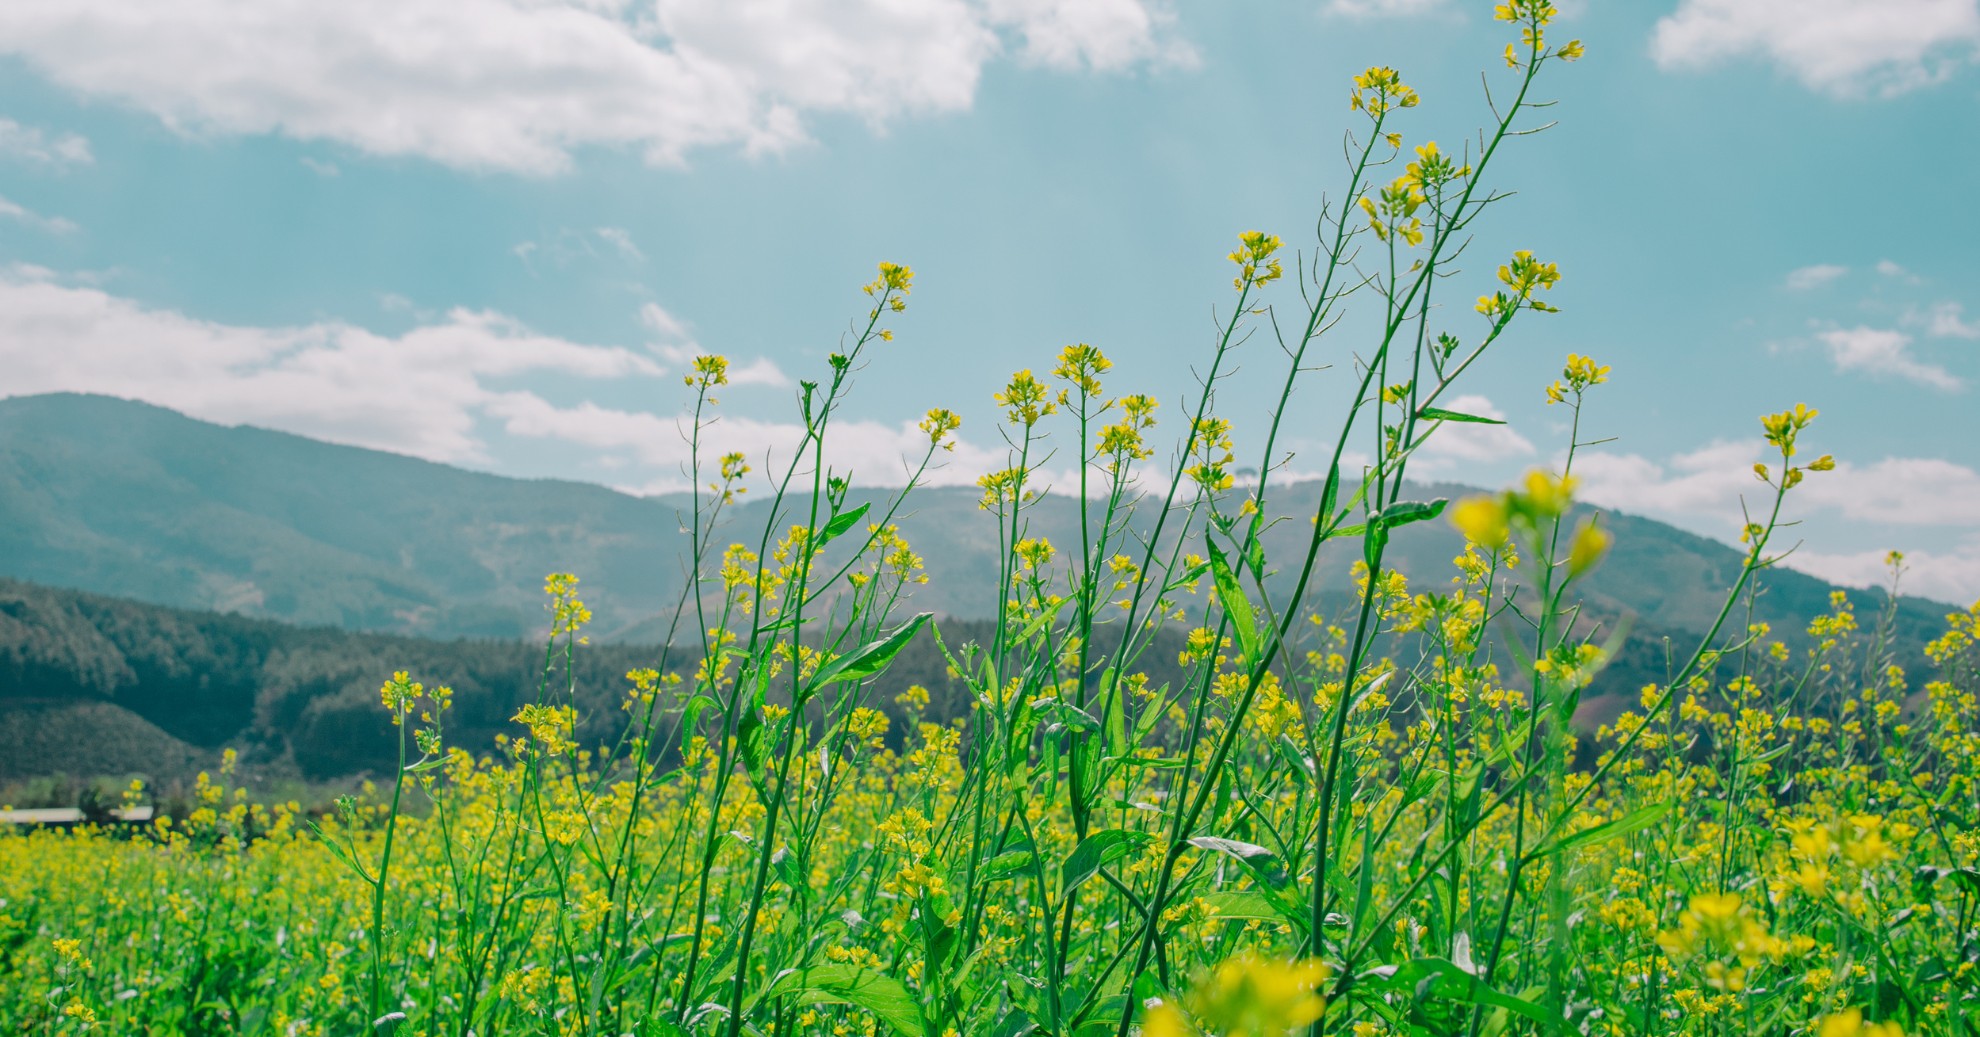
x,y
1634,821
1065,714
1330,493
1236,605
1440,414
1260,861
868,659
1113,710
869,989
1038,622
1248,903
1767,757
1008,863
750,738
1096,851
1373,541
840,523
1402,513
1295,758
1441,978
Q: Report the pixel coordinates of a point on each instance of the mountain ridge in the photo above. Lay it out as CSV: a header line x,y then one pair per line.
x,y
134,500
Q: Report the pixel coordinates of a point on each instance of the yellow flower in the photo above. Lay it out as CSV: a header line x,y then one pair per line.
x,y
1851,1024
1245,995
551,726
895,280
1590,544
70,951
399,694
1253,256
1582,372
939,424
1781,428
1546,495
1082,365
1025,399
567,613
710,370
1380,89
1482,520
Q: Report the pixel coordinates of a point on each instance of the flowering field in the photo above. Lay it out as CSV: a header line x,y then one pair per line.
x,y
1384,822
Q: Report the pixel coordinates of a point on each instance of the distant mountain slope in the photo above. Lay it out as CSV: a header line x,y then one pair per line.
x,y
136,501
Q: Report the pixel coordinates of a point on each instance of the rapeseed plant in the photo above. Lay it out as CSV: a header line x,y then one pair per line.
x,y
1384,822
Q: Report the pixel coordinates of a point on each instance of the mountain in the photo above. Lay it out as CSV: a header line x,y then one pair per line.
x,y
132,500
138,501
195,586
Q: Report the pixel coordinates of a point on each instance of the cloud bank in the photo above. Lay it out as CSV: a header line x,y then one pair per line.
x,y
519,85
1844,48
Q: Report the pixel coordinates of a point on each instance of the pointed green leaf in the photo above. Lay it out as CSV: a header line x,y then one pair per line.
x,y
1236,605
1330,493
869,659
1440,414
1441,978
1247,903
1402,513
1113,709
1009,863
1634,821
840,523
874,991
1261,862
1096,851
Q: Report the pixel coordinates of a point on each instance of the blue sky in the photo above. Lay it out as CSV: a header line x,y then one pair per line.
x,y
489,232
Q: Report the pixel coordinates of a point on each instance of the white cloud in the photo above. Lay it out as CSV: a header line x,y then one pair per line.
x,y
34,145
1899,491
1890,269
760,371
419,393
1456,443
1809,278
1948,576
10,210
319,167
1896,492
1884,351
446,390
1947,320
1844,48
669,327
568,246
874,453
1104,35
518,85
1384,8
621,239
1707,481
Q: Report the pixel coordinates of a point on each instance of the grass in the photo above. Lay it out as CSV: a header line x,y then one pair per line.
x,y
1381,823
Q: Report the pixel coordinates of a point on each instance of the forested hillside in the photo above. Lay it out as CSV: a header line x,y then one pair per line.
x,y
107,686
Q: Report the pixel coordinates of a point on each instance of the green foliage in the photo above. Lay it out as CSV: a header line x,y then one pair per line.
x,y
1383,813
